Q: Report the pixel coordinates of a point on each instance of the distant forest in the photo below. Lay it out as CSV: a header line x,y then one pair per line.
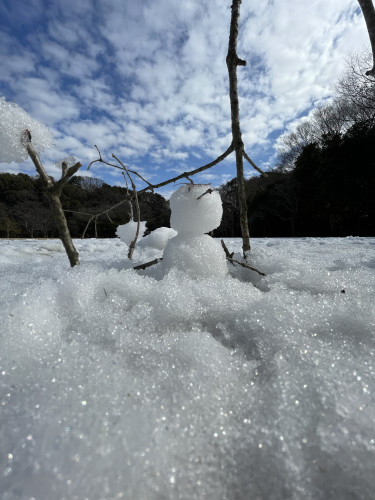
x,y
328,189
323,183
24,211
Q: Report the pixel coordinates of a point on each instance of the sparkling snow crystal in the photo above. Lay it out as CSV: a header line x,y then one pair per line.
x,y
13,123
115,385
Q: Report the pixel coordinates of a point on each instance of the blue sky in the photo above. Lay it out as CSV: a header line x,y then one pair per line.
x,y
147,79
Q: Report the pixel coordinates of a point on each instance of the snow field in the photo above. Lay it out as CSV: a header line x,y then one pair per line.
x,y
123,384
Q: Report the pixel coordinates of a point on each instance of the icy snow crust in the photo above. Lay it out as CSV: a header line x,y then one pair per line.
x,y
114,384
13,123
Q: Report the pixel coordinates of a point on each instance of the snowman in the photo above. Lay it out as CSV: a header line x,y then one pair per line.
x,y
196,210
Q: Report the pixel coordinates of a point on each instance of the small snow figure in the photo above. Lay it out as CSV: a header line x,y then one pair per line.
x,y
196,210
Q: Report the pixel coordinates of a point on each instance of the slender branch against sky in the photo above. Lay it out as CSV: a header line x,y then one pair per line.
x,y
368,11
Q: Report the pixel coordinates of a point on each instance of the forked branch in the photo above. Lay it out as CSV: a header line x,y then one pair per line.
x,y
53,190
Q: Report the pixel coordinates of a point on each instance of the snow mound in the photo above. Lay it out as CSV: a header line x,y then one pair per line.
x,y
158,238
127,232
199,256
13,122
193,215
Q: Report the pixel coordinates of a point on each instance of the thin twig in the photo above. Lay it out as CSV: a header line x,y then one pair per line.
x,y
229,255
96,226
192,172
246,265
147,264
142,178
247,157
233,261
87,225
133,243
209,191
150,186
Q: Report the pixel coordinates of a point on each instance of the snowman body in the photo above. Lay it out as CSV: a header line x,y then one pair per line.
x,y
195,213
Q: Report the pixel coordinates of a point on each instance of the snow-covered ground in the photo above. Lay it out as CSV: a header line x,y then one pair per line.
x,y
117,383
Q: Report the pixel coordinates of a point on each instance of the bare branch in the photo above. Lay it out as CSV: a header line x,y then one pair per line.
x,y
209,191
66,175
368,11
96,227
234,261
133,243
246,265
53,192
192,172
26,140
253,164
64,168
225,248
100,159
147,264
184,175
232,62
142,178
87,225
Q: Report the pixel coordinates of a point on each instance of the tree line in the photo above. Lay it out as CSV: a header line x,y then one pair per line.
x,y
323,183
324,180
25,213
328,191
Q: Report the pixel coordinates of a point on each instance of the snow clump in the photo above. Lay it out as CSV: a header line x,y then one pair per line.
x,y
127,231
13,122
69,161
158,238
193,215
196,209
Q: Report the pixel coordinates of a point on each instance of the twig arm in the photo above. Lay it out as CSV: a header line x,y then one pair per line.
x,y
246,265
186,175
147,264
247,157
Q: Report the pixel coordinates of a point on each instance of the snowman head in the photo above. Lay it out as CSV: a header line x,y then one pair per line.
x,y
193,213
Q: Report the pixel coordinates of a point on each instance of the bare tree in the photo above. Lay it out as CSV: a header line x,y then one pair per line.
x,y
357,89
368,11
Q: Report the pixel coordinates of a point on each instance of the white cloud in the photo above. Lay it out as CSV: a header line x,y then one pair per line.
x,y
148,80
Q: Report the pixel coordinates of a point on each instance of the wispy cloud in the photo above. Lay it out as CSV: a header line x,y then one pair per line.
x,y
148,80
